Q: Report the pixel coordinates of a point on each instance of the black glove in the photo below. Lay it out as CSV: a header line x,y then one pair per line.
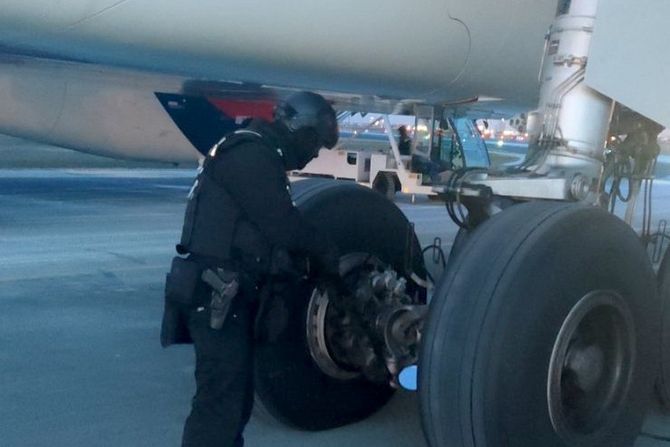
x,y
335,287
282,264
327,260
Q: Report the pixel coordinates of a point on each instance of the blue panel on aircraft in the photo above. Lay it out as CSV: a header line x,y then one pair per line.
x,y
198,119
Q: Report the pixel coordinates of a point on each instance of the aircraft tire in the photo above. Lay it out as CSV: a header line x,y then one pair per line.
x,y
543,285
663,383
458,243
288,381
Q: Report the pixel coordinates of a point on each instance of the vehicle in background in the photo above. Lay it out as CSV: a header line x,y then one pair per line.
x,y
440,146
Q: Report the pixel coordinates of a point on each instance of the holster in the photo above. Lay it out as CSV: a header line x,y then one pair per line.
x,y
180,294
225,285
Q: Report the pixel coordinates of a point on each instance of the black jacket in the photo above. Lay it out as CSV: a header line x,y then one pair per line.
x,y
239,214
244,202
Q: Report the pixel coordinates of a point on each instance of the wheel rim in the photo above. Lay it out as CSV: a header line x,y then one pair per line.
x,y
591,366
319,342
325,329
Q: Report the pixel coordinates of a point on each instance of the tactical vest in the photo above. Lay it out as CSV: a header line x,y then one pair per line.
x,y
214,225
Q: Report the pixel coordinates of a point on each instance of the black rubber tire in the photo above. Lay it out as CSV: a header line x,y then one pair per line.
x,y
496,314
458,244
288,382
384,184
663,382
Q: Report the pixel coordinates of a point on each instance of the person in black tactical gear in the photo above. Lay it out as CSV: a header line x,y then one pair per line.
x,y
239,219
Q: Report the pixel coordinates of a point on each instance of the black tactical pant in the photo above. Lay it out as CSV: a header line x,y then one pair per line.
x,y
224,396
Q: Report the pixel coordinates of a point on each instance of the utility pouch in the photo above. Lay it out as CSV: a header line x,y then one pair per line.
x,y
180,287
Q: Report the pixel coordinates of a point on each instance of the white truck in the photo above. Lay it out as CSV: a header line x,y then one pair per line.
x,y
439,146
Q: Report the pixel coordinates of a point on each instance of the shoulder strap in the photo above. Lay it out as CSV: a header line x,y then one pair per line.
x,y
241,136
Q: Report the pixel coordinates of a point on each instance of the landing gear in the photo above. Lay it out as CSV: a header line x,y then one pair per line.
x,y
544,334
320,369
371,333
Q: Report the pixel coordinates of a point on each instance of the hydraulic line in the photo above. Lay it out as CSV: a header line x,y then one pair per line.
x,y
438,256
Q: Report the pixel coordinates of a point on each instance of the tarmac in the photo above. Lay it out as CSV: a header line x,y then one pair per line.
x,y
84,254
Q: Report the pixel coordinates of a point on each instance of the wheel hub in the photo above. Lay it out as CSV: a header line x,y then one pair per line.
x,y
371,333
587,364
591,367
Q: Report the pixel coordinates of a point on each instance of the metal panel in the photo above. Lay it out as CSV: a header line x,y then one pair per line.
x,y
629,55
106,112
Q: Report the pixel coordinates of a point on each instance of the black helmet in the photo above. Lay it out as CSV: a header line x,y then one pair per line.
x,y
304,111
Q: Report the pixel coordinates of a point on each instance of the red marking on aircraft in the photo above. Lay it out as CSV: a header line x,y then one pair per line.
x,y
244,108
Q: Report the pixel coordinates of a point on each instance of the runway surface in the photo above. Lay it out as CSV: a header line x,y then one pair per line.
x,y
84,253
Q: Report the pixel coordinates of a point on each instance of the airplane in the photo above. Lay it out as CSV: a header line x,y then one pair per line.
x,y
550,336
